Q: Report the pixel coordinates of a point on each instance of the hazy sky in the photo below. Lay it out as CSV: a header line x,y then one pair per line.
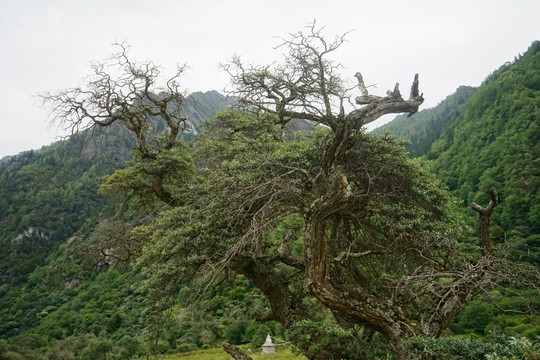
x,y
47,45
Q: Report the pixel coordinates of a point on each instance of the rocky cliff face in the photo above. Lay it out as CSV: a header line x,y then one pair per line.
x,y
200,106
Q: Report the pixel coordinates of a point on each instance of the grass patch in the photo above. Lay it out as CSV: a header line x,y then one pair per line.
x,y
282,353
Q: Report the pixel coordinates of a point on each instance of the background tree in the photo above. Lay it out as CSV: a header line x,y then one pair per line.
x,y
122,92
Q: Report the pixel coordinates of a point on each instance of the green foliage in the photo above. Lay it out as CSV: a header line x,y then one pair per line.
x,y
185,347
259,337
172,166
474,318
486,138
11,355
319,340
502,348
130,347
235,333
241,151
49,194
96,349
494,142
480,317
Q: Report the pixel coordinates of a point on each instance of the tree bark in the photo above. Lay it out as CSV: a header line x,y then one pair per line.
x,y
235,352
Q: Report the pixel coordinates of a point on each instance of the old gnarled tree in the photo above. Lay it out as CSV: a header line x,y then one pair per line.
x,y
123,93
380,244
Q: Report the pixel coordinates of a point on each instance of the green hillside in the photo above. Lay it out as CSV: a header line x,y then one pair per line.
x,y
55,287
495,142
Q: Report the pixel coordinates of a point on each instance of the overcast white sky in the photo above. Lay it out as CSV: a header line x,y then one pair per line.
x,y
47,45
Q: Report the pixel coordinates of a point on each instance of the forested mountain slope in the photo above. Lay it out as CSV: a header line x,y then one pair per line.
x,y
426,126
489,137
47,195
495,142
482,138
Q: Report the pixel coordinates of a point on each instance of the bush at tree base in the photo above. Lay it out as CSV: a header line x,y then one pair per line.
x,y
496,347
321,340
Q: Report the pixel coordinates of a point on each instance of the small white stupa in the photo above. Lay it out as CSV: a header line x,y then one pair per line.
x,y
268,347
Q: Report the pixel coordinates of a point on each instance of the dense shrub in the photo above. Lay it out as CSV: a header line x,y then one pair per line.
x,y
494,348
320,340
259,337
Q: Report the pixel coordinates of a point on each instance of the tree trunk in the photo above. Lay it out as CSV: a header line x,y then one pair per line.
x,y
285,304
235,352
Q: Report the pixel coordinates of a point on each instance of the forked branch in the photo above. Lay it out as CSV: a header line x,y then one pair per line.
x,y
484,220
